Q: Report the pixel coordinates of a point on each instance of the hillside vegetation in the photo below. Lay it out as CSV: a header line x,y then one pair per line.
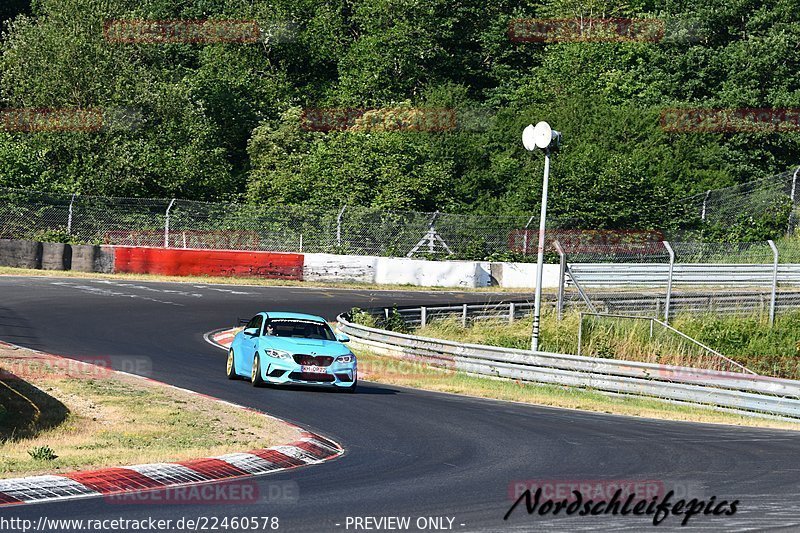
x,y
223,121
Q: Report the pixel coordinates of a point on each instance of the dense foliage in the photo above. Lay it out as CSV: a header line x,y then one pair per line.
x,y
224,121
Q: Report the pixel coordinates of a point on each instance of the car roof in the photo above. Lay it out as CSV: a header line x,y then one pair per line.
x,y
299,316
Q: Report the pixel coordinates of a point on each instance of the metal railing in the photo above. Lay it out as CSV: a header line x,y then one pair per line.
x,y
690,277
732,391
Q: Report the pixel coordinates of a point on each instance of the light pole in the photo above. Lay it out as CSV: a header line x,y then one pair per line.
x,y
541,136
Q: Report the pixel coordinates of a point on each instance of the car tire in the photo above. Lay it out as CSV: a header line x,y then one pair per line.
x,y
255,373
230,366
352,388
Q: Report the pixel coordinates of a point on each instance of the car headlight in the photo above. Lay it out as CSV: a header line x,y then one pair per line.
x,y
349,358
279,354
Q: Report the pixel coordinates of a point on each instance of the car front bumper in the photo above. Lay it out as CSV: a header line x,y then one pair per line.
x,y
280,371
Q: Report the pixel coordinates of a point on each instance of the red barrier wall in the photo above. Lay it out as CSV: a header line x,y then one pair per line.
x,y
180,262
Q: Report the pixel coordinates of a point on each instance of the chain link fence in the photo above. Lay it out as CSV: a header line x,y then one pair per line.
x,y
771,202
204,225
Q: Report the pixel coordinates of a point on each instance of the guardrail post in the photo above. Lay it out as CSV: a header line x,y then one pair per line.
x,y
562,274
511,309
166,225
69,215
464,315
774,282
423,316
669,280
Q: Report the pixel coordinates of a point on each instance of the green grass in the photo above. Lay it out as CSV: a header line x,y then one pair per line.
x,y
60,423
747,340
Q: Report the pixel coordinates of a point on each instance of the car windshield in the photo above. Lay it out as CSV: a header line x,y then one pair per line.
x,y
303,329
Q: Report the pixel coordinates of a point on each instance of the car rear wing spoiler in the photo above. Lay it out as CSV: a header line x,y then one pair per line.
x,y
244,321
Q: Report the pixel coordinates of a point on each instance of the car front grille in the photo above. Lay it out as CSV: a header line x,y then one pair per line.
x,y
304,376
316,360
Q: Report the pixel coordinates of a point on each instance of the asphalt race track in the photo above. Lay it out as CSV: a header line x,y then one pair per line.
x,y
408,453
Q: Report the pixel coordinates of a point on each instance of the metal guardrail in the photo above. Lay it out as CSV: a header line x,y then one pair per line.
x,y
698,274
753,395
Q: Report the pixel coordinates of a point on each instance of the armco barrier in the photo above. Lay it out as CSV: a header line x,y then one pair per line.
x,y
689,274
181,262
753,395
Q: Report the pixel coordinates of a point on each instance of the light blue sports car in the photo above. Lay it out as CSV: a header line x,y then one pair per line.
x,y
292,348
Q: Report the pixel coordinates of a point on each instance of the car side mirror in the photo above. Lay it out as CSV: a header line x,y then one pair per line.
x,y
341,337
251,332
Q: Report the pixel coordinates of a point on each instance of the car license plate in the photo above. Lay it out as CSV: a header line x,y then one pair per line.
x,y
311,369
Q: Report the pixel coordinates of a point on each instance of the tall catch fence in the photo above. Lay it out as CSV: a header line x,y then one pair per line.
x,y
204,225
772,202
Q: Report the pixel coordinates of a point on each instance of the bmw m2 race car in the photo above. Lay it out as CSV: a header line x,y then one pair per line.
x,y
292,348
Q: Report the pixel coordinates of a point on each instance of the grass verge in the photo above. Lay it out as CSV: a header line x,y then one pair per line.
x,y
255,282
392,371
90,418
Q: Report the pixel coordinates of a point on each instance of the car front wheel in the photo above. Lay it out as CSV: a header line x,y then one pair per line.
x,y
230,367
255,374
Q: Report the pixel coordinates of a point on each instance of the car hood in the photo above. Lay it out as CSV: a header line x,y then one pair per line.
x,y
304,346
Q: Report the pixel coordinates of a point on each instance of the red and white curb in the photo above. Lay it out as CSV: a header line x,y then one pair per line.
x,y
222,338
309,449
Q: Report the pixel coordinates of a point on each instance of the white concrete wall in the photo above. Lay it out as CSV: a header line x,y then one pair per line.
x,y
422,273
395,270
330,267
523,275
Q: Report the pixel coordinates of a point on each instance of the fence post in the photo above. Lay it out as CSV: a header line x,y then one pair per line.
x,y
525,237
511,309
339,227
69,215
166,224
792,195
705,202
669,280
774,282
562,273
464,315
423,316
580,331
